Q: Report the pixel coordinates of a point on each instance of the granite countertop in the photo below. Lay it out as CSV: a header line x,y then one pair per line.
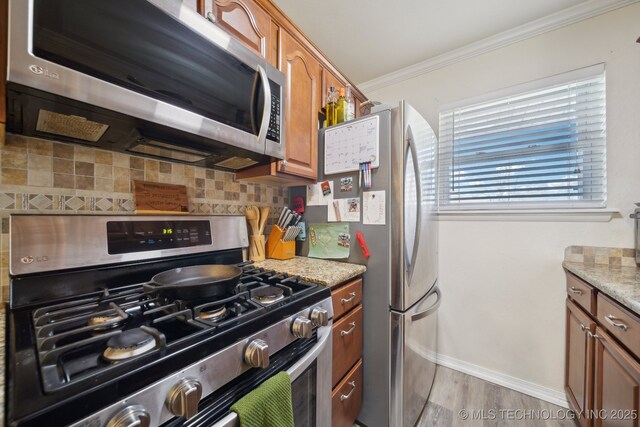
x,y
620,283
322,271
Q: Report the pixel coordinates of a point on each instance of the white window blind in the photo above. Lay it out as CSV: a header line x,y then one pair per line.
x,y
542,148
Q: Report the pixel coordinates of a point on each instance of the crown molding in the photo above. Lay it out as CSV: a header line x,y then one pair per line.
x,y
551,22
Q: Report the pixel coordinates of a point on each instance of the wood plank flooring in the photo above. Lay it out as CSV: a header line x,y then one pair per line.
x,y
455,396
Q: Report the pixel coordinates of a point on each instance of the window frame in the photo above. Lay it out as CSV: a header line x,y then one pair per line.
x,y
502,206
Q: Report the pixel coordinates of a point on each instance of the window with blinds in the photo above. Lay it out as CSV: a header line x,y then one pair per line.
x,y
536,148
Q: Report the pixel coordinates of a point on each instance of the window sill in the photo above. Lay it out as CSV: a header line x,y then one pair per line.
x,y
575,215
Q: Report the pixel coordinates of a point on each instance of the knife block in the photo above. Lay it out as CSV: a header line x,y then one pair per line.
x,y
278,248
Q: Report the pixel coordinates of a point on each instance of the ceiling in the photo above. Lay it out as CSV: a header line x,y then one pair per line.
x,y
366,39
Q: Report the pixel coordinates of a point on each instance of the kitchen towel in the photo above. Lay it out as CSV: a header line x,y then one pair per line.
x,y
269,405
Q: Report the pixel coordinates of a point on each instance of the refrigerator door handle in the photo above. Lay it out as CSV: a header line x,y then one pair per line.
x,y
422,314
409,262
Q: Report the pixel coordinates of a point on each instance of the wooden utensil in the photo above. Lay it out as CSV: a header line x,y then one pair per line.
x,y
252,216
264,214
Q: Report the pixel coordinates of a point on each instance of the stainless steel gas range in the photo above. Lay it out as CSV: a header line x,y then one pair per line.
x,y
93,341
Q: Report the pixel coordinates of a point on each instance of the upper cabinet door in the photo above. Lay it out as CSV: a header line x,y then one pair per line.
x,y
302,73
246,21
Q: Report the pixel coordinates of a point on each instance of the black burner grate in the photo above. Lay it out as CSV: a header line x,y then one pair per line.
x,y
72,336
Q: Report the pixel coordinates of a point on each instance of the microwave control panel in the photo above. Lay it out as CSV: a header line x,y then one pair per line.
x,y
273,132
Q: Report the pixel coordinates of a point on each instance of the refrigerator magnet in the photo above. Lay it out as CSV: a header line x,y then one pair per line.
x,y
346,184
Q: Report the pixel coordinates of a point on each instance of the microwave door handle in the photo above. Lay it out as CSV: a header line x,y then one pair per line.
x,y
266,111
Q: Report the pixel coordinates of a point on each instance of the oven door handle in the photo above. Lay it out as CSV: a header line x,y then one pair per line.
x,y
324,333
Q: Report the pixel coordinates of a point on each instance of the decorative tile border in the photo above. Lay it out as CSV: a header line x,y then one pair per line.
x,y
42,176
624,257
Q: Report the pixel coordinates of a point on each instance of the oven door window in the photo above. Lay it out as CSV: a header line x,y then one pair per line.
x,y
304,397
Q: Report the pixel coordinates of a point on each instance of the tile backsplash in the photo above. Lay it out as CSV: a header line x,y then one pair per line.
x,y
624,257
42,176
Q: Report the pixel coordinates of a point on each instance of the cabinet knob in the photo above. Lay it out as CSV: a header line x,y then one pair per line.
x,y
319,317
184,397
211,17
302,328
256,354
284,163
131,416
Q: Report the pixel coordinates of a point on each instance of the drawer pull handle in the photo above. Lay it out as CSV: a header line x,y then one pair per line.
x,y
344,397
351,329
592,335
612,321
351,298
575,290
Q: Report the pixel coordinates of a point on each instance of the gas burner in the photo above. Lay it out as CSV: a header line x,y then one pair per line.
x,y
103,323
214,315
267,295
127,344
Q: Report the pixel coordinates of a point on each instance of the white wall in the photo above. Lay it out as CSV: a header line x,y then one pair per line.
x,y
502,282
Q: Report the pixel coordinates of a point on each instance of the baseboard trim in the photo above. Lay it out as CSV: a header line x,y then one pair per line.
x,y
513,383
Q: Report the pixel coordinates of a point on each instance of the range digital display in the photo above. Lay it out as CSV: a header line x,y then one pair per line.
x,y
141,236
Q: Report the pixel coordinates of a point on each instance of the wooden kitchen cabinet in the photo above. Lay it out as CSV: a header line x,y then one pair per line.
x,y
617,384
4,38
602,372
302,73
301,105
347,353
346,398
247,22
304,66
347,343
346,297
579,355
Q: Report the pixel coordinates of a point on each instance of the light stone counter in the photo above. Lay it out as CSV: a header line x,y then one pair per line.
x,y
611,270
620,283
321,271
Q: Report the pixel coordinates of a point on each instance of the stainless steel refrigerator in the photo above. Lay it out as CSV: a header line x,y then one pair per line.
x,y
400,293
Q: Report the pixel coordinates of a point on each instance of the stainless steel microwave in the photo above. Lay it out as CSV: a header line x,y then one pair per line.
x,y
149,77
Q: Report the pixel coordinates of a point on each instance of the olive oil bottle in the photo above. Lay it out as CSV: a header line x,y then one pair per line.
x,y
330,108
351,106
342,108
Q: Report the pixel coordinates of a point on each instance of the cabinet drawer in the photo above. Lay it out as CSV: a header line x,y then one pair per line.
x,y
581,293
347,398
346,297
620,323
347,343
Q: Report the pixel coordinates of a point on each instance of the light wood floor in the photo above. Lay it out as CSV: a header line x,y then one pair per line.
x,y
454,392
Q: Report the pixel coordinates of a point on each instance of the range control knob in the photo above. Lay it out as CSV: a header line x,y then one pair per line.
x,y
183,398
131,416
256,354
319,317
302,328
